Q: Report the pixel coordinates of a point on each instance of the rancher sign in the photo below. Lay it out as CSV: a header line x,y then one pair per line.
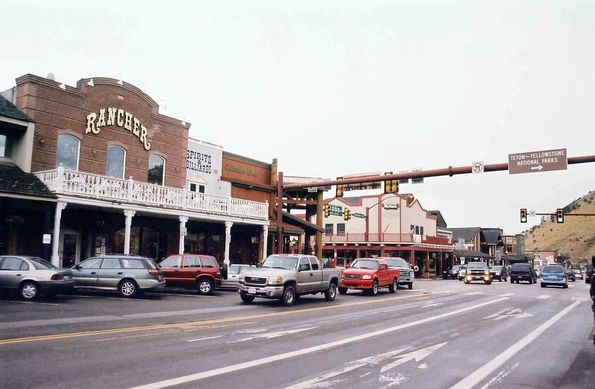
x,y
537,161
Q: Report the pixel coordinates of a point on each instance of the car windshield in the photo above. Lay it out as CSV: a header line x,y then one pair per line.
x,y
365,264
396,262
279,262
456,267
40,264
237,269
476,265
552,269
497,268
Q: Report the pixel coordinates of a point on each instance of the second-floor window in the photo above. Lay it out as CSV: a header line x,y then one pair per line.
x,y
340,228
328,229
156,170
67,153
116,160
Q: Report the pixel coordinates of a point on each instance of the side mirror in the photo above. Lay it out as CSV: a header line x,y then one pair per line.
x,y
78,267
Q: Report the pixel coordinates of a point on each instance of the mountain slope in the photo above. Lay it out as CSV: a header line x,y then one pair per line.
x,y
574,238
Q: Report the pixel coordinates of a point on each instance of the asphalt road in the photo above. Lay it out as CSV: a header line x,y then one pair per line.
x,y
441,334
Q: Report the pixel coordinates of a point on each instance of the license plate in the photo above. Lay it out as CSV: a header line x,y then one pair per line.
x,y
252,290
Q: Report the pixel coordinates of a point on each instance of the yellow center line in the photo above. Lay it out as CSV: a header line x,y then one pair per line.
x,y
69,335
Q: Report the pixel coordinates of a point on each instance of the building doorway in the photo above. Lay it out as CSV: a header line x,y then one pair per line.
x,y
70,248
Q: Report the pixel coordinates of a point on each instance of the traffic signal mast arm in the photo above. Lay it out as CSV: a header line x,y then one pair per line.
x,y
449,171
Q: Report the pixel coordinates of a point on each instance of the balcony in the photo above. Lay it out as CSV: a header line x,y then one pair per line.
x,y
87,185
387,238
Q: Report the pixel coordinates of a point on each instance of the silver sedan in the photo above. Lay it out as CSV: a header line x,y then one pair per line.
x,y
32,276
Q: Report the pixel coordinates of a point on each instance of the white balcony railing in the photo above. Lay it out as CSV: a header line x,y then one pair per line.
x,y
89,185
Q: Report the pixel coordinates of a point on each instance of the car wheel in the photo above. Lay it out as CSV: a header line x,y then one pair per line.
x,y
565,286
530,282
542,285
127,288
410,285
288,297
342,290
29,290
374,290
246,299
205,286
393,287
488,282
331,292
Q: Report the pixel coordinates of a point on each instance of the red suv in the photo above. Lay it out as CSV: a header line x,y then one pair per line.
x,y
192,271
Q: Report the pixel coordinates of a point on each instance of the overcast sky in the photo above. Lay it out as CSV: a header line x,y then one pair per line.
x,y
332,88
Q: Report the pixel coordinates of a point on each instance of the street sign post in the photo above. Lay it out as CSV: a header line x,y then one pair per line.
x,y
477,167
537,161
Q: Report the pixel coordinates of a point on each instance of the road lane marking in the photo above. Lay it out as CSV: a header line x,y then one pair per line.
x,y
506,295
205,338
201,323
307,350
478,375
544,296
474,293
443,292
271,335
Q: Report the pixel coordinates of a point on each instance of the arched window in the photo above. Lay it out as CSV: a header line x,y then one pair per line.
x,y
156,170
116,160
67,153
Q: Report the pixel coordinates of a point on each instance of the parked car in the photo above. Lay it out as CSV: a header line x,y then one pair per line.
x,y
32,276
461,273
478,271
577,274
369,275
233,275
522,272
288,276
554,275
128,274
201,272
406,275
451,272
499,273
570,275
588,275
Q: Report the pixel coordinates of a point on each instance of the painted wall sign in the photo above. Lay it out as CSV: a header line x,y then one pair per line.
x,y
389,206
203,167
199,162
117,117
239,170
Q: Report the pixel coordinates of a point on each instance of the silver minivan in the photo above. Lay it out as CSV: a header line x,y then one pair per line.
x,y
128,274
32,276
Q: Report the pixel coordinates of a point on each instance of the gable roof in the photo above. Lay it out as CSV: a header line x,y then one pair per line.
x,y
467,233
491,236
10,110
14,181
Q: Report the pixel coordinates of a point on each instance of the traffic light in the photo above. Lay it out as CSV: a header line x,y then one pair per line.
x,y
559,215
327,210
391,186
339,192
523,215
346,214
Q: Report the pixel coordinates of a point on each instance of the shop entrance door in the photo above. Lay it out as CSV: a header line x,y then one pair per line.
x,y
69,248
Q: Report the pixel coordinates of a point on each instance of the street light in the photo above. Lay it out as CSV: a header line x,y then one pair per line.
x,y
368,216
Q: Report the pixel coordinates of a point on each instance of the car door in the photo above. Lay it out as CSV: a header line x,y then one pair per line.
x,y
317,277
304,275
170,267
209,266
110,273
85,273
12,271
189,270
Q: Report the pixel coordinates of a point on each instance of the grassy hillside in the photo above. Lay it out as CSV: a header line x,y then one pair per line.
x,y
574,238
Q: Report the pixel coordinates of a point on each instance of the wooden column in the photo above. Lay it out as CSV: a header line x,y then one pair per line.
x,y
319,221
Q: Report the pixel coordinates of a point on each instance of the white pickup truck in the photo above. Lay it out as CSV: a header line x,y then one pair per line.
x,y
287,276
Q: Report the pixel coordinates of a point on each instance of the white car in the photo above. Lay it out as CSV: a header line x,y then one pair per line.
x,y
406,274
233,275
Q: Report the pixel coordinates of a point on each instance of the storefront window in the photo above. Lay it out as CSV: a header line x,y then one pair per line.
x,y
67,154
2,146
156,169
116,159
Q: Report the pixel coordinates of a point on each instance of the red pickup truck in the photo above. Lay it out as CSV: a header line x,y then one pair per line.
x,y
369,274
192,271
